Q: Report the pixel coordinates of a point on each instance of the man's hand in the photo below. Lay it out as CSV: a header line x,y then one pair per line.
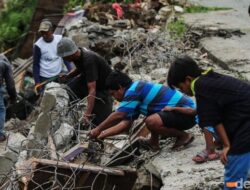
x,y
94,133
223,156
37,88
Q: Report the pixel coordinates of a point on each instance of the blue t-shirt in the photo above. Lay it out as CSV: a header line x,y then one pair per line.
x,y
148,98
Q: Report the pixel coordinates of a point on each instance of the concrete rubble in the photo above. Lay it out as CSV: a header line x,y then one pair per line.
x,y
49,151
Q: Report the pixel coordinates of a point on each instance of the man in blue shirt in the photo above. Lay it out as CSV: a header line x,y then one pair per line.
x,y
149,99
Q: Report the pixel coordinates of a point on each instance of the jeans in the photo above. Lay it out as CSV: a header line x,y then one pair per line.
x,y
2,112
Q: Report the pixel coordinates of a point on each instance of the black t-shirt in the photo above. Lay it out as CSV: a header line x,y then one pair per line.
x,y
93,67
224,99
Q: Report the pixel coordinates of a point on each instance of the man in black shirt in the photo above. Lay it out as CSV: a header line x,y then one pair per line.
x,y
90,75
223,102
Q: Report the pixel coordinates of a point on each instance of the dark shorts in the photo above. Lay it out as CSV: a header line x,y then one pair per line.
x,y
177,120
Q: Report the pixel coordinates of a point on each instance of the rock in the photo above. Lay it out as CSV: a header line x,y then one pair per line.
x,y
178,9
63,135
7,161
81,40
164,2
159,73
164,13
16,141
122,23
14,124
48,102
43,124
166,173
179,171
115,60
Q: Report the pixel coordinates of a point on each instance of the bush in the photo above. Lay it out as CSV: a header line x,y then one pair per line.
x,y
176,29
15,19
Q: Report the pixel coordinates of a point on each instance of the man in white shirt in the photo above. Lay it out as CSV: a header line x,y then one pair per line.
x,y
46,63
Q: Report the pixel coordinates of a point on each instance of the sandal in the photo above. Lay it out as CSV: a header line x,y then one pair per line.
x,y
146,144
203,156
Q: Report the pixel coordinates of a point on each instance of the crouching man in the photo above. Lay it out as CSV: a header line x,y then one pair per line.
x,y
149,99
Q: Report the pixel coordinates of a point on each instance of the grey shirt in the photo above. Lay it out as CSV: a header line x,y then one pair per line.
x,y
6,75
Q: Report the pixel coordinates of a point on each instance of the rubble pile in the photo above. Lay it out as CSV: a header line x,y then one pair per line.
x,y
51,149
56,152
143,51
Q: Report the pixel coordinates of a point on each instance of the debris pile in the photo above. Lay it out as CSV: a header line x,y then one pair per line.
x,y
53,152
51,149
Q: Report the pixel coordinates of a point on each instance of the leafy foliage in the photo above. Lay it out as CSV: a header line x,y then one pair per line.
x,y
15,19
176,28
201,9
73,3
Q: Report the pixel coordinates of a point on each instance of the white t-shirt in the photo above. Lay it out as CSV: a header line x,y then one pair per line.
x,y
50,63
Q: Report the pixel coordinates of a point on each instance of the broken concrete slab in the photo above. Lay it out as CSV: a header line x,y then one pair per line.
x,y
228,20
16,141
62,97
48,102
231,53
81,40
74,151
63,135
43,124
237,18
7,161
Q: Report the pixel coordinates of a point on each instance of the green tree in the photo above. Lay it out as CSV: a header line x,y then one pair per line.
x,y
15,19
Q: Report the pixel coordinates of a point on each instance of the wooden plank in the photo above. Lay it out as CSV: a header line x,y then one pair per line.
x,y
52,148
74,151
95,169
19,81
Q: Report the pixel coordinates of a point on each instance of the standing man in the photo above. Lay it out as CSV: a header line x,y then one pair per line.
x,y
224,103
6,75
46,62
90,75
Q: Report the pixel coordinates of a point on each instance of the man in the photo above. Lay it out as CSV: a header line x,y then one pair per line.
x,y
168,112
224,103
6,76
90,74
46,63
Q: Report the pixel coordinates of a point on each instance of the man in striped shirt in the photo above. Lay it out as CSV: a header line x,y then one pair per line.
x,y
168,112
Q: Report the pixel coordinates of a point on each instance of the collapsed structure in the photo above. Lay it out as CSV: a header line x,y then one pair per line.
x,y
51,150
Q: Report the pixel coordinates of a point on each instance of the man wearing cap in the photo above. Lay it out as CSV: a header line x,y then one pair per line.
x,y
46,62
90,74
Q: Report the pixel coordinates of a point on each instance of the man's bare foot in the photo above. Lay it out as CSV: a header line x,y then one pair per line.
x,y
183,141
